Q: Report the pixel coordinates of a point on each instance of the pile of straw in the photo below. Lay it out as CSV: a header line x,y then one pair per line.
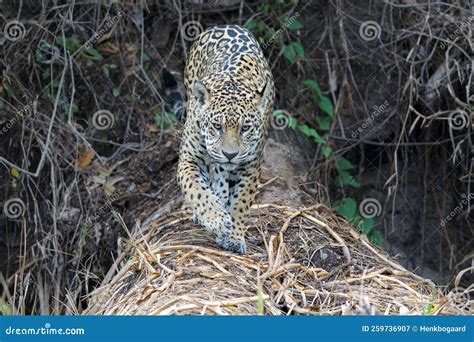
x,y
302,259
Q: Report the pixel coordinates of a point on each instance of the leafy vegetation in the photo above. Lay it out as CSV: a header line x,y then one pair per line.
x,y
292,52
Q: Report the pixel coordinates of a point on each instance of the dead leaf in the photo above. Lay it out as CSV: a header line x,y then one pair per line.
x,y
109,48
84,160
153,128
109,189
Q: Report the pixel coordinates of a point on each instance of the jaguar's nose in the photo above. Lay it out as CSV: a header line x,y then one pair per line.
x,y
229,156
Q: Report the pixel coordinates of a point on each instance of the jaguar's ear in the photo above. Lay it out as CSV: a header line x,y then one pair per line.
x,y
264,97
200,91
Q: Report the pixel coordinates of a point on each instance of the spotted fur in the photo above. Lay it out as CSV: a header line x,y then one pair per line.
x,y
230,95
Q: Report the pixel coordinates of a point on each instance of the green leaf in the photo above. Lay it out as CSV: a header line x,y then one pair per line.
x,y
304,129
165,120
345,178
146,58
46,74
172,117
75,108
9,90
105,69
313,87
319,139
61,40
265,7
325,105
326,151
72,44
366,225
376,237
39,56
14,172
115,92
2,104
324,123
251,25
92,54
260,26
348,208
293,123
289,54
260,304
298,49
342,164
311,132
293,24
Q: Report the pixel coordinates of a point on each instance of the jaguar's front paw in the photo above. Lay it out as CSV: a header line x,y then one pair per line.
x,y
237,246
223,242
196,219
224,232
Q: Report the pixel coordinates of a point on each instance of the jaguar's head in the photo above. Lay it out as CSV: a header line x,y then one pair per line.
x,y
232,121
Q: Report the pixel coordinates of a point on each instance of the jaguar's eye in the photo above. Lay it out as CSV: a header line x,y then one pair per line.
x,y
245,128
217,125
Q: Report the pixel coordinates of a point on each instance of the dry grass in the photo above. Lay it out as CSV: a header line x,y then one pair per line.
x,y
302,260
